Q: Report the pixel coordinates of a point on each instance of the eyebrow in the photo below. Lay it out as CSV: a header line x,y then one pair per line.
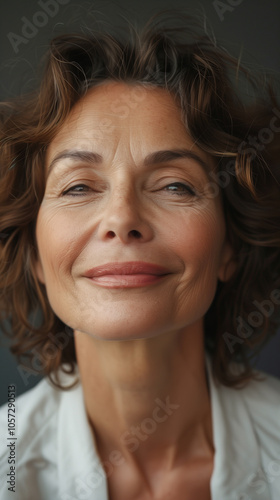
x,y
154,158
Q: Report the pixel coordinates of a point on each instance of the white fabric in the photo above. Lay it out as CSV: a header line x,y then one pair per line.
x,y
56,458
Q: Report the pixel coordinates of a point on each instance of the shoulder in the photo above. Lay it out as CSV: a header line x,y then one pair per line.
x,y
29,435
258,401
36,408
263,393
260,398
246,424
30,415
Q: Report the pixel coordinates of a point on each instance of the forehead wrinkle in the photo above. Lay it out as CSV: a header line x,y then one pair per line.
x,y
128,132
119,159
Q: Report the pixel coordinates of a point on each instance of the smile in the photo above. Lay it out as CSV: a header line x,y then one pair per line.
x,y
127,274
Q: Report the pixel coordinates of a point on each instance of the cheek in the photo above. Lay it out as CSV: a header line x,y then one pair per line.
x,y
56,239
198,239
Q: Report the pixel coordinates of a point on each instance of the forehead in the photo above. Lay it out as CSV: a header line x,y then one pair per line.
x,y
121,100
116,106
117,119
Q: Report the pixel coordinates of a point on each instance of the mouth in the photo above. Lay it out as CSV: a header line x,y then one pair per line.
x,y
127,274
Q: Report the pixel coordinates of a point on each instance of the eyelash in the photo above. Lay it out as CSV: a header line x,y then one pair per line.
x,y
71,191
186,189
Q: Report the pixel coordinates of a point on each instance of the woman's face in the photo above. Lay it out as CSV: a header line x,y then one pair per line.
x,y
112,198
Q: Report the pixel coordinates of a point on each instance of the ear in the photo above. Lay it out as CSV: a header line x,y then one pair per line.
x,y
227,263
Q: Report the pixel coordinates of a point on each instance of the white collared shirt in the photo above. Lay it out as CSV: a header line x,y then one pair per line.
x,y
56,457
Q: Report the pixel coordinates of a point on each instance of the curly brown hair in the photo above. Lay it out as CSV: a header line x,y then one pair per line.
x,y
241,136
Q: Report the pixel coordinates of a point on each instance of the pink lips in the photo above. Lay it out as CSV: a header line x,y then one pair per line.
x,y
127,274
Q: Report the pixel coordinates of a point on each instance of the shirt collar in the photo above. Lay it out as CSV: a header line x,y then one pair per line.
x,y
237,454
80,474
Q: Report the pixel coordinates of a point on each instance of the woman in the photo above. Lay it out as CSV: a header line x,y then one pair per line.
x,y
138,217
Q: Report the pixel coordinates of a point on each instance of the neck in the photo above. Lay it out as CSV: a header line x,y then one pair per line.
x,y
147,396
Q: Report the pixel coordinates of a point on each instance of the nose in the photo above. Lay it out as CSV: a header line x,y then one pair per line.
x,y
124,218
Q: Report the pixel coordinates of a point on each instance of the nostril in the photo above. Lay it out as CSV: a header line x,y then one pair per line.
x,y
111,234
135,234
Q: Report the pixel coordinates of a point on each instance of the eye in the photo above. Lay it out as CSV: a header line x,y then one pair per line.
x,y
77,190
180,189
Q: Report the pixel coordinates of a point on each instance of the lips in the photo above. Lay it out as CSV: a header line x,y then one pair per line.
x,y
127,274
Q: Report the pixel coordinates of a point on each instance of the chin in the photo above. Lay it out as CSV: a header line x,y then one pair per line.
x,y
112,337
121,330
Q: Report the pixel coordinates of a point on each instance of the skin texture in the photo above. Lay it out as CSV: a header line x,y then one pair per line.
x,y
135,345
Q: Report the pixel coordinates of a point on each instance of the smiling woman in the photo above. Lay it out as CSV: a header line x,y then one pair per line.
x,y
136,219
135,205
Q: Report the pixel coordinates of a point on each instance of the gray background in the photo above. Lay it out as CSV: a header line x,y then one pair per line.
x,y
248,27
